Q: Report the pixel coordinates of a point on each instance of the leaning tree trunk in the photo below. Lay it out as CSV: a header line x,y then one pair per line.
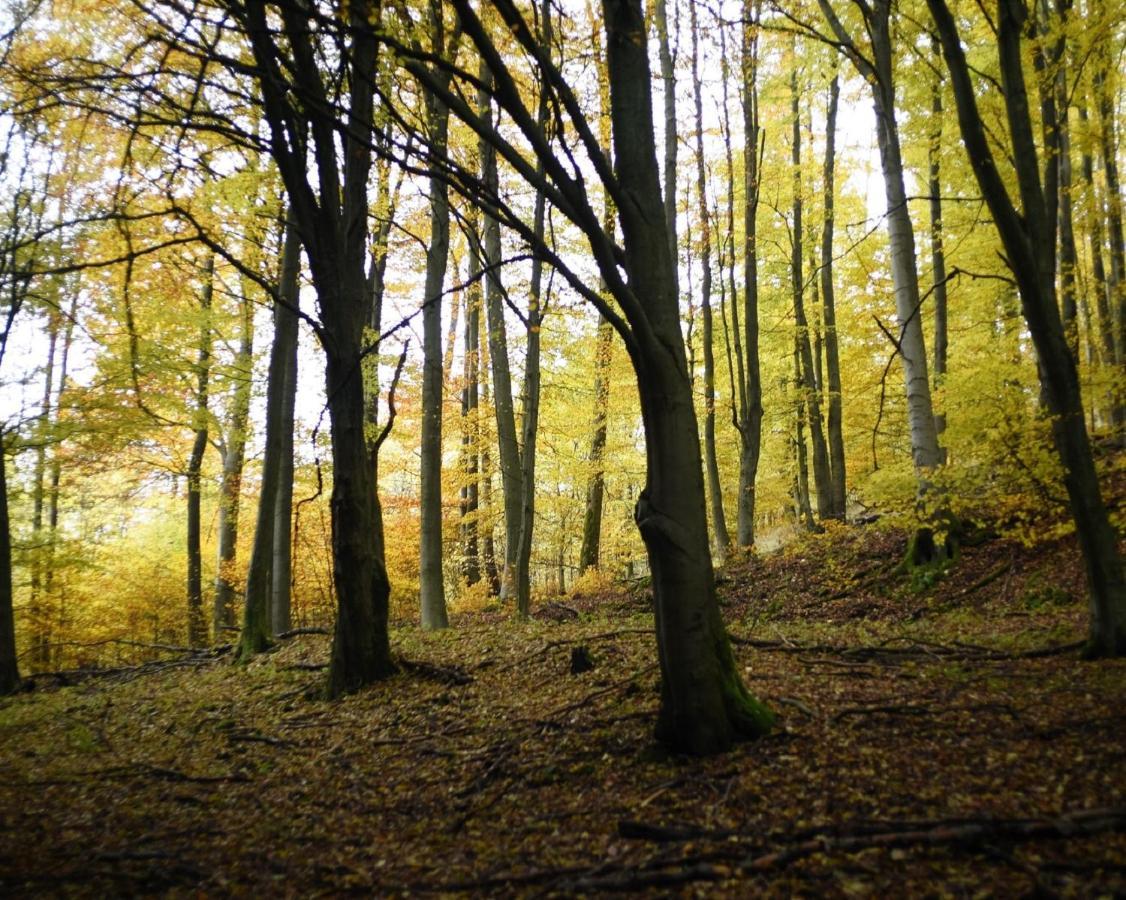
x,y
704,705
1028,236
9,669
432,593
197,627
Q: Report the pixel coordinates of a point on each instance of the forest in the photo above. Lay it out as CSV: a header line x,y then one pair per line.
x,y
562,447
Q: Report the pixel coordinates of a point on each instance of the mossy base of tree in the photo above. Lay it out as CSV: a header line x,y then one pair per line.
x,y
250,645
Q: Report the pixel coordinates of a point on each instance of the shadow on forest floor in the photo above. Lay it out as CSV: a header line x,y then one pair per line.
x,y
927,743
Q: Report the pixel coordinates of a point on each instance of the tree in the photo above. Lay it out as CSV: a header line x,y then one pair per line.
x,y
704,704
197,627
1028,234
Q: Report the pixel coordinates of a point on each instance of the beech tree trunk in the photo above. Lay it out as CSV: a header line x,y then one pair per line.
x,y
10,680
589,550
668,78
286,339
1028,236
432,593
711,463
39,613
197,626
230,487
835,424
938,251
749,420
470,424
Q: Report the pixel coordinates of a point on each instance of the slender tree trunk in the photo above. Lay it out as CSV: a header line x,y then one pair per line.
x,y
801,453
488,548
431,582
507,447
810,402
258,613
197,627
9,669
1068,257
234,454
1029,240
1115,232
668,78
704,705
286,323
938,251
37,602
832,348
54,478
470,425
590,549
711,463
750,390
1096,247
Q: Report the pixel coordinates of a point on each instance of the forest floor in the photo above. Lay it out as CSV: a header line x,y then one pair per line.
x,y
940,740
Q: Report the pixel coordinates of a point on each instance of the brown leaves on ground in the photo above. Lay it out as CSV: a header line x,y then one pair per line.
x,y
921,750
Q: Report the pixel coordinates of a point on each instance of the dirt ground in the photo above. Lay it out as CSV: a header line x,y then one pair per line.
x,y
939,739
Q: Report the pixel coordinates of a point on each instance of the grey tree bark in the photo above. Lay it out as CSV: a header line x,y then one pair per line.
x,y
668,78
470,425
1028,236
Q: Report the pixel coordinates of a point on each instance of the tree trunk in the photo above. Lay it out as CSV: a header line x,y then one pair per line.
x,y
197,627
507,447
234,454
801,453
430,576
280,601
1028,237
715,489
9,669
750,389
1096,246
704,705
470,424
39,614
838,483
668,79
810,401
1115,232
938,252
595,487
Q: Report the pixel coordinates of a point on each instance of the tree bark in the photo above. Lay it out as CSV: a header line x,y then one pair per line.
x,y
938,251
280,602
668,78
234,454
470,424
197,627
507,447
432,593
10,680
835,424
590,549
1028,236
39,614
704,705
715,489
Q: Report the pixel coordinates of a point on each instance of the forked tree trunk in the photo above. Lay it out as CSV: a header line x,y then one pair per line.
x,y
1028,236
704,705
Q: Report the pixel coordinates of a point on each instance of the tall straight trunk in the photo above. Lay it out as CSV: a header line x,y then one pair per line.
x,y
259,605
1096,247
807,384
470,424
704,704
835,424
432,593
938,251
801,453
286,320
878,71
531,394
234,454
37,603
507,447
1029,239
668,79
749,420
1115,232
711,464
488,546
590,549
9,668
197,626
